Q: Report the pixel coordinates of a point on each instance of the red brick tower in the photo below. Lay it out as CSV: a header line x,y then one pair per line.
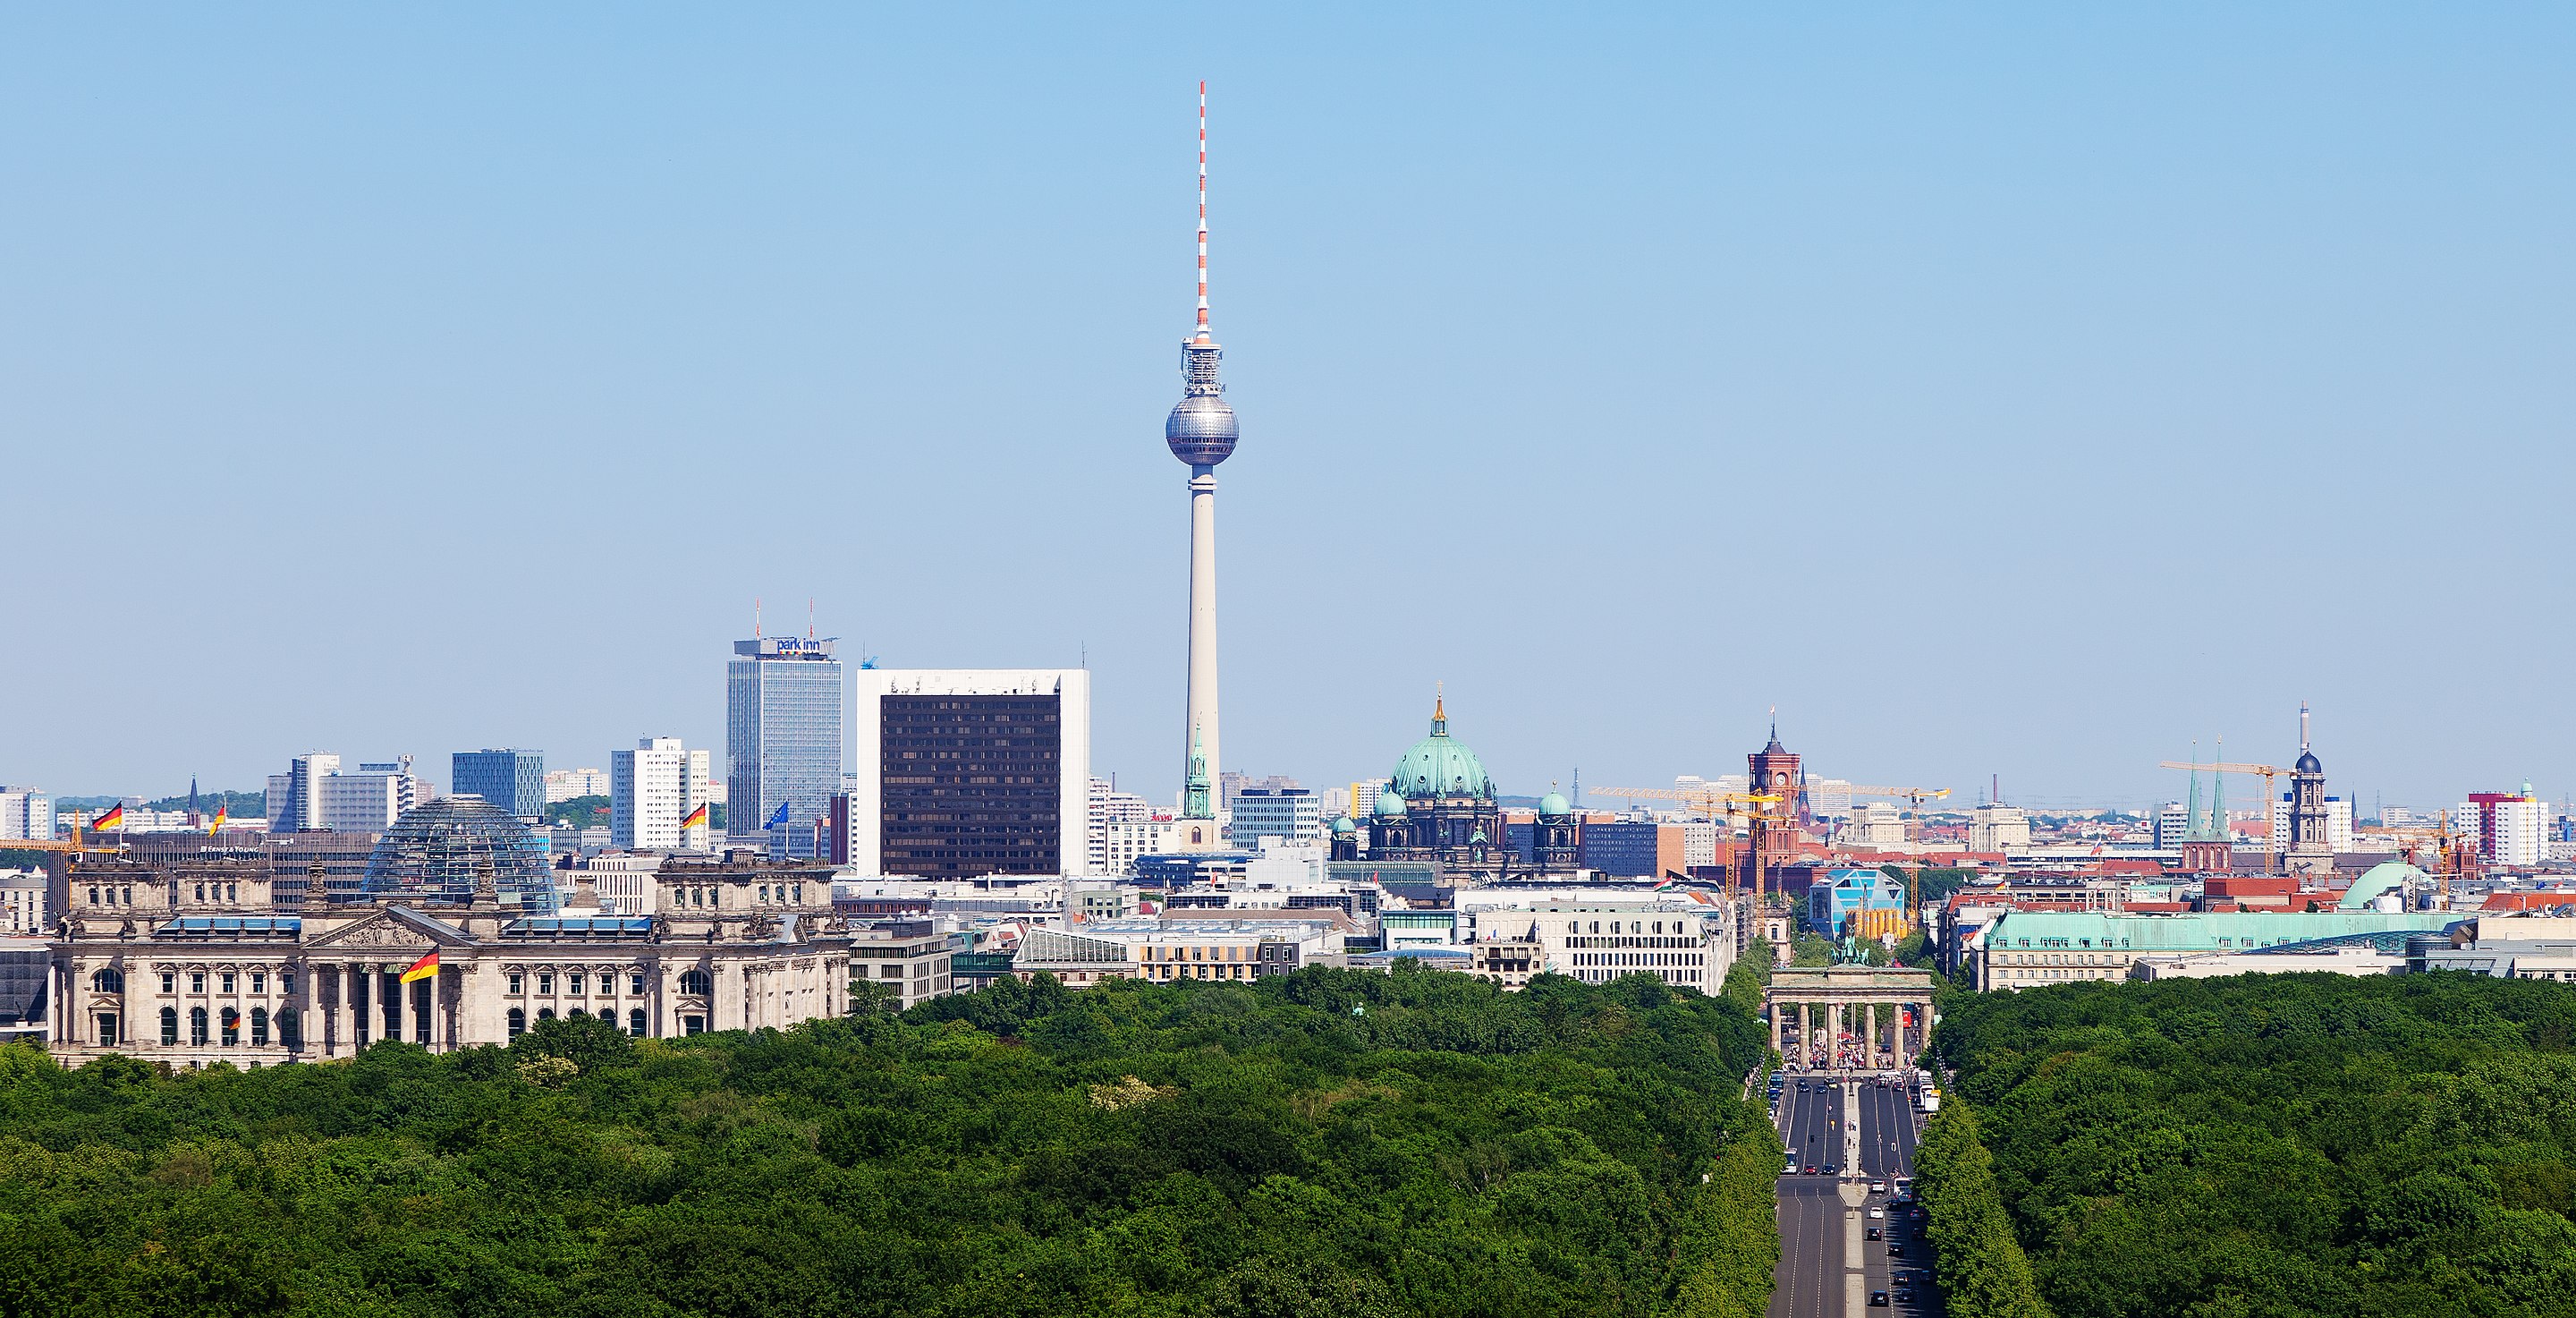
x,y
1774,772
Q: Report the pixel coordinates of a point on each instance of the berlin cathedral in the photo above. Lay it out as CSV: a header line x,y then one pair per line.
x,y
1440,806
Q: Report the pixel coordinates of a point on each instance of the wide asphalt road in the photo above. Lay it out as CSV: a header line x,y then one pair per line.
x,y
1814,1232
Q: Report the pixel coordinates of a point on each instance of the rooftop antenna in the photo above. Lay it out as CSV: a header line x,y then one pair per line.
x,y
1202,334
2303,727
755,617
809,617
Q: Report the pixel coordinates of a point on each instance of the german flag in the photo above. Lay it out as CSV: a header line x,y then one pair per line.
x,y
223,816
697,818
114,818
425,968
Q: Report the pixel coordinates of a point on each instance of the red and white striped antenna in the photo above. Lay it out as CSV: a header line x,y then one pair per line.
x,y
1203,321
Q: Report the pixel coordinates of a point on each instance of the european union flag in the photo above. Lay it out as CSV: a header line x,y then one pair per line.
x,y
778,820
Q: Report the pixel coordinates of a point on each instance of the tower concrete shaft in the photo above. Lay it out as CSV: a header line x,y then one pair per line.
x,y
1199,742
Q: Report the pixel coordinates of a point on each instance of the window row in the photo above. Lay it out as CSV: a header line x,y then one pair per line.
x,y
1633,926
289,1024
637,1024
576,983
112,980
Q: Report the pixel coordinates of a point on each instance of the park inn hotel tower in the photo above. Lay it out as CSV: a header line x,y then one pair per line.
x,y
783,741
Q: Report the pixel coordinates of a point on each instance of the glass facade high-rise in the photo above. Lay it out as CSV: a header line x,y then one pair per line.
x,y
783,737
514,780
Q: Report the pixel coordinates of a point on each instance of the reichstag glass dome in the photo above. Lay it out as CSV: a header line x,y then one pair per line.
x,y
441,852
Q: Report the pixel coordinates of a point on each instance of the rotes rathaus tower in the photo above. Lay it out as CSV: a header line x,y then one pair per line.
x,y
1201,432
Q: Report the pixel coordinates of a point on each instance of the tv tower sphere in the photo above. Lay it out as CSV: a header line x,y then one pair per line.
x,y
1201,430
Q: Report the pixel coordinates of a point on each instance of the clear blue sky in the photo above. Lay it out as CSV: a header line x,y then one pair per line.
x,y
2024,392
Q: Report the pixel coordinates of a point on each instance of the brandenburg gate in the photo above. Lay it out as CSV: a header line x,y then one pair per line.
x,y
1795,993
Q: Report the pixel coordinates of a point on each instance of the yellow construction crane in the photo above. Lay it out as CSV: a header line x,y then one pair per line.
x,y
1913,795
72,846
1709,800
1704,797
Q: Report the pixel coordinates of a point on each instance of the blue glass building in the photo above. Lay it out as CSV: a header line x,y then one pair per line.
x,y
514,780
784,733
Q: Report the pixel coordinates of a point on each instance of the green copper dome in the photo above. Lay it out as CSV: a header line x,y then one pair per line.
x,y
1389,805
1440,766
1345,824
1554,804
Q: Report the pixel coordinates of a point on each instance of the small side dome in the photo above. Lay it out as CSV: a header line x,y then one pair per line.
x,y
1390,805
2308,763
1345,825
1554,803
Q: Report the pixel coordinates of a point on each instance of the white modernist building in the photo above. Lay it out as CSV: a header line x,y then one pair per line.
x,y
1994,828
370,800
22,902
650,790
316,795
2505,829
26,813
963,772
1684,942
566,784
1291,814
1875,824
1103,806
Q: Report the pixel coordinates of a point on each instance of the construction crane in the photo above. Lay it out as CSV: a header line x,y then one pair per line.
x,y
1707,799
1914,796
71,846
2457,858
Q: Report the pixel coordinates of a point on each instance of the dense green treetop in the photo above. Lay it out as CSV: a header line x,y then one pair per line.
x,y
2282,1144
578,812
1318,1144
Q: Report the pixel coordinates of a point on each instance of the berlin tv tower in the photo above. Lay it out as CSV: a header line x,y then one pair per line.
x,y
1201,432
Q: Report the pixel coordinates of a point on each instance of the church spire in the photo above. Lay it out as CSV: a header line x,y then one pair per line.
x,y
1440,709
1194,792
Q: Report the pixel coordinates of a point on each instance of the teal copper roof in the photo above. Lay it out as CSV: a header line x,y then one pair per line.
x,y
1440,766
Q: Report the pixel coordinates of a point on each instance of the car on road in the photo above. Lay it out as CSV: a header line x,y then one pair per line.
x,y
1832,1170
1878,1187
1876,1211
1811,1169
1896,1249
1876,1298
1876,1234
1793,1168
1904,1295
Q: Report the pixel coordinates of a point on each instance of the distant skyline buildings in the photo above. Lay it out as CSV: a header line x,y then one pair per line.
x,y
317,795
